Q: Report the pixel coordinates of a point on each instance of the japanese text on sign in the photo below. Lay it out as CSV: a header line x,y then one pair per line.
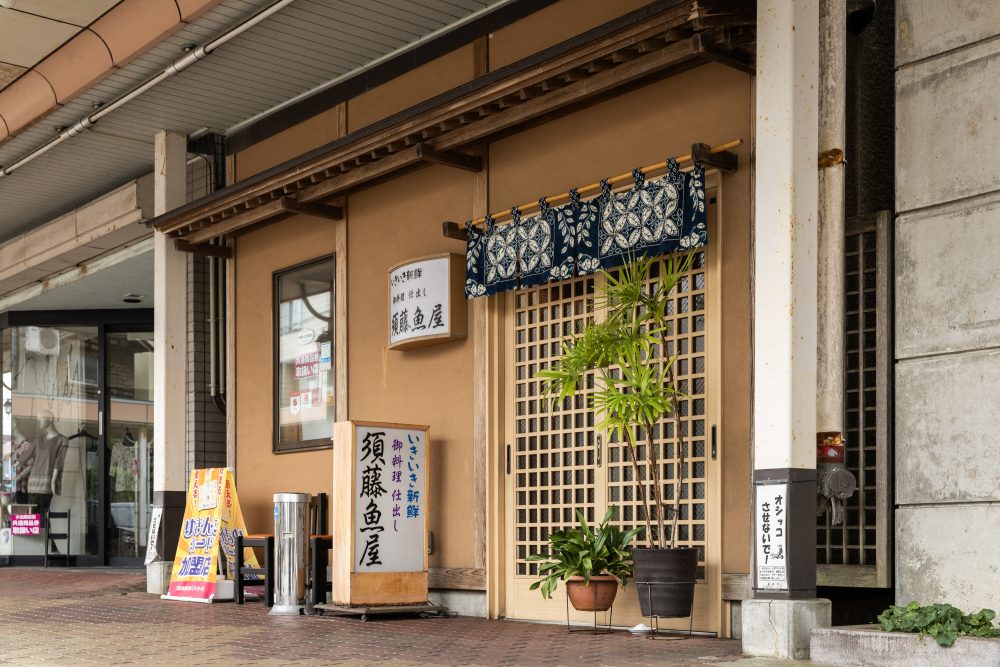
x,y
419,300
771,529
26,524
389,523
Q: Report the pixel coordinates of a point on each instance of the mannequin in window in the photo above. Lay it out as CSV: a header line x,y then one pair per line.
x,y
47,460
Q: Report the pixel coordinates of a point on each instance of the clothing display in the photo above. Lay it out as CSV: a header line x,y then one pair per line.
x,y
49,455
124,467
21,459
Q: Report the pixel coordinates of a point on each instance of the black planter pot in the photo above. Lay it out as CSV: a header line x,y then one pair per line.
x,y
665,580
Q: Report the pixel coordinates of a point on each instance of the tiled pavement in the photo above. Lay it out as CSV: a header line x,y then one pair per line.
x,y
85,617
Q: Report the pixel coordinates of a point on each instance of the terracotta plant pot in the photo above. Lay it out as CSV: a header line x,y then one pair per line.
x,y
596,596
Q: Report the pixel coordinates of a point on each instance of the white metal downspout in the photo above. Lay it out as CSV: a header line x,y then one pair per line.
x,y
171,70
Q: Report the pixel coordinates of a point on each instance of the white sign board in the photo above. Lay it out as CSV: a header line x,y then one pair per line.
x,y
389,499
770,536
154,531
421,301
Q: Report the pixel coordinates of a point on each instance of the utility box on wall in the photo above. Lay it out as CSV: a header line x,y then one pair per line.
x,y
379,514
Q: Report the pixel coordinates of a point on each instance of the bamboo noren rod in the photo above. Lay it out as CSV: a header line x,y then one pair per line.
x,y
587,189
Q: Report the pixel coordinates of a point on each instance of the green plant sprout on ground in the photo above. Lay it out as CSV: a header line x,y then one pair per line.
x,y
943,622
584,552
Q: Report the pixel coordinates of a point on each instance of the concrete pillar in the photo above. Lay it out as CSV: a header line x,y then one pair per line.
x,y
169,358
777,621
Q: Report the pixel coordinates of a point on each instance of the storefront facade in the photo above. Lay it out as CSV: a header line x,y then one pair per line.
x,y
78,430
313,283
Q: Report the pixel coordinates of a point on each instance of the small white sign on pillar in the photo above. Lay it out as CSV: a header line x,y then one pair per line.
x,y
427,302
770,536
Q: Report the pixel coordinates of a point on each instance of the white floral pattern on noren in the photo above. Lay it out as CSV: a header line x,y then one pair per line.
x,y
501,254
534,237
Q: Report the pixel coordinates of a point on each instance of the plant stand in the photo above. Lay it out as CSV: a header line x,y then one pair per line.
x,y
595,629
655,620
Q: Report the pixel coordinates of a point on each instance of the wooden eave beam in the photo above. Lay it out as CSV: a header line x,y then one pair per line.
x,y
428,153
315,209
679,55
270,212
676,56
203,249
724,55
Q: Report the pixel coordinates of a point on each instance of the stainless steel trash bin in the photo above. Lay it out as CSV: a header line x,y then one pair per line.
x,y
290,553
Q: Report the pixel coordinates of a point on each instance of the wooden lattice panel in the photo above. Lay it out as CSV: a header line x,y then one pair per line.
x,y
554,444
687,340
855,542
558,455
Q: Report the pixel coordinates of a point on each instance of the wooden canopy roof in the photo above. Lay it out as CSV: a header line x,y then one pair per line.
x,y
658,40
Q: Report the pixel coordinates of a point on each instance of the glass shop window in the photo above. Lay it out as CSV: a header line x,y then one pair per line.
x,y
305,400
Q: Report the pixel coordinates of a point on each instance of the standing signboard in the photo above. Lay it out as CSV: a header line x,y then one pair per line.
x,y
427,303
212,520
379,509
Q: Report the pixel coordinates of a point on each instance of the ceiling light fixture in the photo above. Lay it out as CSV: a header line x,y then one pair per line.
x,y
132,298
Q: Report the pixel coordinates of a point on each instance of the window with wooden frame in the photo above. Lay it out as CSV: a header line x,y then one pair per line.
x,y
858,552
305,397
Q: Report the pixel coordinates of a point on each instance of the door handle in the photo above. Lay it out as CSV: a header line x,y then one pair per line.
x,y
600,449
508,458
715,443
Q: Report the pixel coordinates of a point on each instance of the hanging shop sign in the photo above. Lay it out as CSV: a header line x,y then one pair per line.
x,y
426,304
770,518
379,503
212,520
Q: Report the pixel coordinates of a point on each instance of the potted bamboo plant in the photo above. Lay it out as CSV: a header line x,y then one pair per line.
x,y
634,390
592,562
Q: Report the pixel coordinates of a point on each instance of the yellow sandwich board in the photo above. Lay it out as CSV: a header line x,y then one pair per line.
x,y
212,520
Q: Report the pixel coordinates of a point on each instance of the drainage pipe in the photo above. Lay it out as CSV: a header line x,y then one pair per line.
x,y
831,279
175,68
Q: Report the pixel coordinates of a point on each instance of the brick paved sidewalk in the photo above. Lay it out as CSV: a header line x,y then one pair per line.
x,y
86,617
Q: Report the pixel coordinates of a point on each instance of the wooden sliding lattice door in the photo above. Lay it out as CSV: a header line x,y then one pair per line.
x,y
558,462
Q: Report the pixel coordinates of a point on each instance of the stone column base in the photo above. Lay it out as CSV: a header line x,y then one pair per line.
x,y
158,577
780,628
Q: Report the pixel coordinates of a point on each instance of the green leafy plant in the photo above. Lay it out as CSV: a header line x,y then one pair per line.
x,y
635,390
943,622
585,552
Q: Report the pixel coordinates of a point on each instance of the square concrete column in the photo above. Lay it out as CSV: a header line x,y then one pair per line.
x,y
777,621
169,359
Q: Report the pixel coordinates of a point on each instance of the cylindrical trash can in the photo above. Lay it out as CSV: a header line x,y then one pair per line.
x,y
290,553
